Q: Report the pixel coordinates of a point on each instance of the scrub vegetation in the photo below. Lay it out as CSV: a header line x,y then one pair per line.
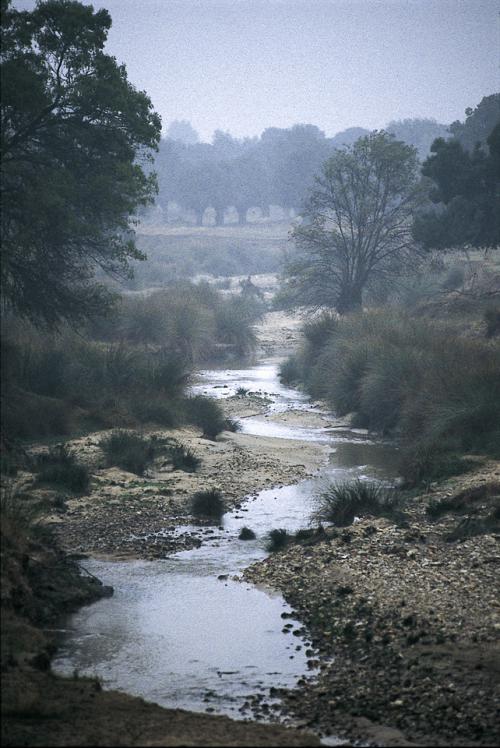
x,y
129,368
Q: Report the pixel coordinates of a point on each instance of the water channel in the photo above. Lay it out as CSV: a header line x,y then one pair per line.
x,y
180,631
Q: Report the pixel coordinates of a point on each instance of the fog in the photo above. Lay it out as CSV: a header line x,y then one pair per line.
x,y
245,66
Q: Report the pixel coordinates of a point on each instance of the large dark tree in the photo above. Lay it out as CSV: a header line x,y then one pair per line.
x,y
357,223
466,194
75,138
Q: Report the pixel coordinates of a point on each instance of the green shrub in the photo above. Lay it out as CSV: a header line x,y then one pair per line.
x,y
161,410
246,534
426,463
340,503
128,450
278,539
420,379
60,466
183,458
317,331
207,414
290,371
242,392
231,424
208,504
234,318
310,536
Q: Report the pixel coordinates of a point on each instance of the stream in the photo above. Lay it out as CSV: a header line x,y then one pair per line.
x,y
180,631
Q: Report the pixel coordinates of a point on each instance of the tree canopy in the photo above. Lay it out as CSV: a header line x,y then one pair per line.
x,y
75,138
357,223
465,174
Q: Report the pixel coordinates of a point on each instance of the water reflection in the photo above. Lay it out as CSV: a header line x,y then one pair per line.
x,y
180,631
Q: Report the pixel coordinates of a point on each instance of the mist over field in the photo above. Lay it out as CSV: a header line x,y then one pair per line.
x,y
250,423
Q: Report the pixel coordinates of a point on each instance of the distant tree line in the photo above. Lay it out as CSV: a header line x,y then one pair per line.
x,y
277,168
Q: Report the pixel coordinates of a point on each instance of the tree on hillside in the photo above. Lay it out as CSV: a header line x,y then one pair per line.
x,y
356,224
466,195
75,138
478,124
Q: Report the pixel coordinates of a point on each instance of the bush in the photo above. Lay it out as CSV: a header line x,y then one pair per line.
x,y
208,504
234,318
421,379
242,392
183,458
246,534
129,451
342,502
207,414
290,371
231,424
60,466
278,539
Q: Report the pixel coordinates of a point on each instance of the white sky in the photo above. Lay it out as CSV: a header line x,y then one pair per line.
x,y
244,65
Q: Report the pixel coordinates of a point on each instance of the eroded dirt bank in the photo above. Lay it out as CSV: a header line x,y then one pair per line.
x,y
406,619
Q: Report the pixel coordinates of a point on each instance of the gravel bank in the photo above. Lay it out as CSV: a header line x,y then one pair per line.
x,y
405,624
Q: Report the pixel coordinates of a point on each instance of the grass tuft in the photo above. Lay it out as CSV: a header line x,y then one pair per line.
x,y
61,467
183,458
208,504
340,503
278,540
128,450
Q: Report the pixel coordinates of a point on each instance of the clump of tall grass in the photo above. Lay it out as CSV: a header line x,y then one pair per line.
x,y
419,379
278,539
341,502
183,458
290,371
130,367
208,504
207,414
129,450
60,466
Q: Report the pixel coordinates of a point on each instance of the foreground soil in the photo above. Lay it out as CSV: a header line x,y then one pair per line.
x,y
53,711
405,620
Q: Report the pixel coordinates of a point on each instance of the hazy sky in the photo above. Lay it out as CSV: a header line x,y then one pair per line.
x,y
244,65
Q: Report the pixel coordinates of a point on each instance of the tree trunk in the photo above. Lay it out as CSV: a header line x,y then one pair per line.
x,y
242,216
350,299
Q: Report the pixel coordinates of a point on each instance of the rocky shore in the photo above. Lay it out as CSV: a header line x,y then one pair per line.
x,y
404,620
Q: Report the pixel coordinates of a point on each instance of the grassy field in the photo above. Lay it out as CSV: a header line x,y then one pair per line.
x,y
220,251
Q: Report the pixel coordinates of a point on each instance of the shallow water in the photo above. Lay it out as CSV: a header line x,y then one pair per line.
x,y
176,634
